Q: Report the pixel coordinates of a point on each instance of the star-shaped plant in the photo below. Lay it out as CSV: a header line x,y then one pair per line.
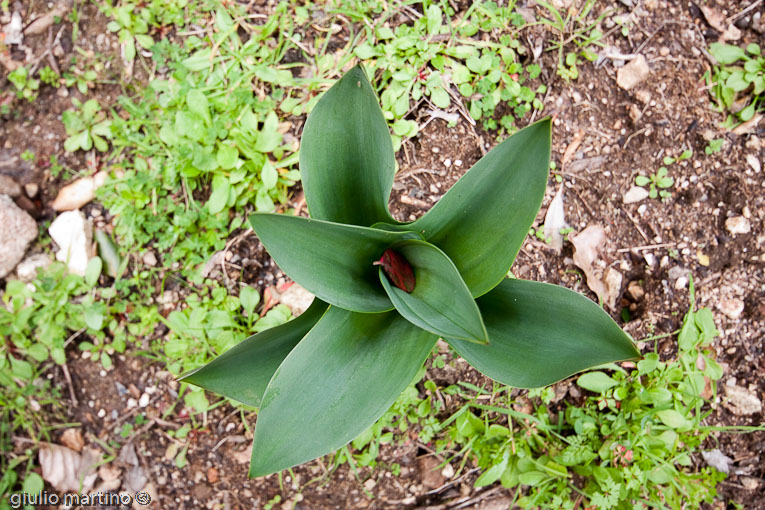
x,y
386,291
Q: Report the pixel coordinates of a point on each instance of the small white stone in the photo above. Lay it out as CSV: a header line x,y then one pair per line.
x,y
457,162
641,210
681,283
635,194
149,258
101,413
144,400
131,403
447,162
737,225
732,307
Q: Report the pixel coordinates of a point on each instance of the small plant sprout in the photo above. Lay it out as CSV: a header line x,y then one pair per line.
x,y
386,291
87,127
660,181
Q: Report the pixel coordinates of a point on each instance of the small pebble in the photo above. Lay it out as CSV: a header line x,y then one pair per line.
x,y
144,400
101,413
732,307
738,225
131,403
447,162
457,162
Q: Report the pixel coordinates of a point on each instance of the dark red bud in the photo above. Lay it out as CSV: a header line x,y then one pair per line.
x,y
398,269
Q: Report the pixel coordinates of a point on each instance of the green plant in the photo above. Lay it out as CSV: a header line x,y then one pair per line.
x,y
629,444
659,181
49,76
26,86
573,29
323,378
87,128
414,63
131,25
738,82
714,145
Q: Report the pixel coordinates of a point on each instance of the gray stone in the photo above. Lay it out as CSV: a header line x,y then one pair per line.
x,y
17,230
9,186
26,271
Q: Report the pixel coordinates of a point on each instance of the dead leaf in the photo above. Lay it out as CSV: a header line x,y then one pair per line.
x,y
715,18
242,456
717,460
568,154
748,126
66,470
741,401
555,220
430,476
41,24
72,438
606,283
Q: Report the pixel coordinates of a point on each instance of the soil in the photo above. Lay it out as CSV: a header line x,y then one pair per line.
x,y
603,137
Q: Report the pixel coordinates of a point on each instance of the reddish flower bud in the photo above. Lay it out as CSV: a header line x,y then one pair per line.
x,y
398,269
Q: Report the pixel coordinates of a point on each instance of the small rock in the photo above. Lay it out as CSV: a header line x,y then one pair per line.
x,y
131,403
635,194
447,162
635,291
212,475
31,189
149,258
633,73
732,307
750,483
676,272
738,225
17,230
643,96
741,401
72,234
26,271
9,186
297,299
370,484
144,400
80,192
681,282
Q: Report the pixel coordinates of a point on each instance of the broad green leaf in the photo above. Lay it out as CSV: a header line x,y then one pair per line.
x,y
269,137
482,221
673,419
440,302
541,333
332,261
345,374
219,196
249,298
346,156
596,382
93,271
197,103
726,53
242,373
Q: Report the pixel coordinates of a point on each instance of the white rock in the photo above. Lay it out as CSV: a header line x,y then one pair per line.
x,y
738,225
741,401
144,400
297,299
149,258
635,194
17,230
732,307
80,192
72,234
26,271
13,29
633,73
